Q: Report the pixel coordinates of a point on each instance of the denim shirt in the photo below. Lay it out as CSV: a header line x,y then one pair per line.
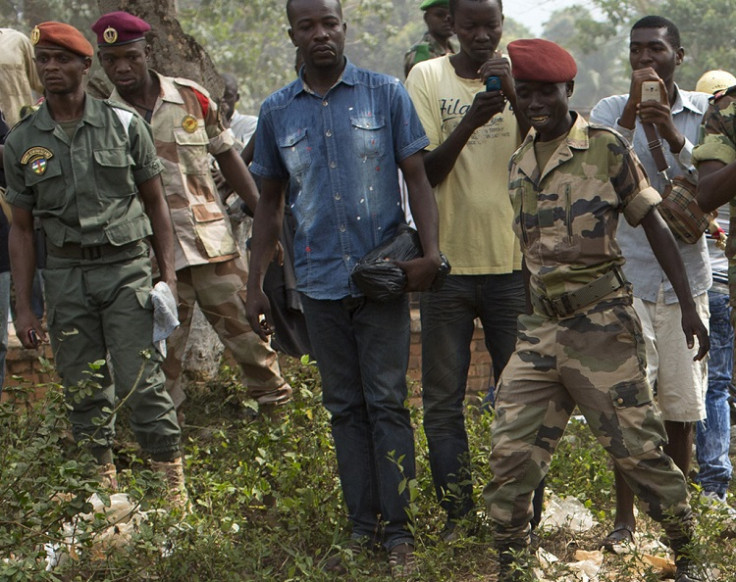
x,y
641,267
341,151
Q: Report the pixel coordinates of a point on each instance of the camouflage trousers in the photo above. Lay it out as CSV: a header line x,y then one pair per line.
x,y
595,360
219,290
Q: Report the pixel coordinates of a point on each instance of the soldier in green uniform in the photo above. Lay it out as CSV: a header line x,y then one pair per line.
x,y
583,343
436,41
88,170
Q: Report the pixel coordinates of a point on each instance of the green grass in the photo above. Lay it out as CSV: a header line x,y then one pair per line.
x,y
266,497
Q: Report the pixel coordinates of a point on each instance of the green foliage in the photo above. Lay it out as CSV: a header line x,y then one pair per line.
x,y
267,503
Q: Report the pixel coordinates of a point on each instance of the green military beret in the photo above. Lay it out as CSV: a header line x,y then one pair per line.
x,y
429,3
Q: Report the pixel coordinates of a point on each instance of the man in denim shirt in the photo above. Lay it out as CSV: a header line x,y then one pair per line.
x,y
341,133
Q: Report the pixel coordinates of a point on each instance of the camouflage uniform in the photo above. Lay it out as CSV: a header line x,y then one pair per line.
x,y
718,143
425,49
209,270
583,344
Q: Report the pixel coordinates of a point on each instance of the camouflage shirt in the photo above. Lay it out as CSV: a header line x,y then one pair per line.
x,y
718,143
566,216
186,128
425,49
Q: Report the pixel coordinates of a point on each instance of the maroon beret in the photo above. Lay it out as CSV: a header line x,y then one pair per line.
x,y
541,60
116,28
60,35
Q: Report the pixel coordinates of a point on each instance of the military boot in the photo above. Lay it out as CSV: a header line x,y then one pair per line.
x,y
512,561
686,571
173,475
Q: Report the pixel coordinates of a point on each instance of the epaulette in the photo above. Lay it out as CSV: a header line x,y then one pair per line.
x,y
201,93
192,85
722,93
118,105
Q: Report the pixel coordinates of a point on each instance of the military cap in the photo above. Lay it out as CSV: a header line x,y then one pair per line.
x,y
60,35
429,3
541,60
116,28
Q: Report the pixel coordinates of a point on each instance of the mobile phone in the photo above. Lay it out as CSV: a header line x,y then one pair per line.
x,y
33,336
650,91
493,84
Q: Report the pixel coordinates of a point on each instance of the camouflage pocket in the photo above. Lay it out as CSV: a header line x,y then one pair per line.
x,y
639,426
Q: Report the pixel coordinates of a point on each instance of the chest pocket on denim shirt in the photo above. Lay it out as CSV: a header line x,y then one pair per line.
x,y
295,151
369,136
113,173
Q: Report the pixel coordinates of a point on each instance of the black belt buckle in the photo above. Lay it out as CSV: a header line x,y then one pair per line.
x,y
91,253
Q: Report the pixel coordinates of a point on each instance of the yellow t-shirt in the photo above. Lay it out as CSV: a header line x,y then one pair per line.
x,y
474,206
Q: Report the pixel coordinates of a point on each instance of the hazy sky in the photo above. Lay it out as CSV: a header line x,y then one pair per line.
x,y
534,13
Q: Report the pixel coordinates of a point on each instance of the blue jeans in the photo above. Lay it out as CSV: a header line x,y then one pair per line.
x,y
448,321
4,313
362,351
713,436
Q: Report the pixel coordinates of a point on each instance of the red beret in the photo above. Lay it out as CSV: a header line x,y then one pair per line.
x,y
60,35
116,28
541,60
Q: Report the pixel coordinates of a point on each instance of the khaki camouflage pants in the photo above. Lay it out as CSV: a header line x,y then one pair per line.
x,y
595,360
219,290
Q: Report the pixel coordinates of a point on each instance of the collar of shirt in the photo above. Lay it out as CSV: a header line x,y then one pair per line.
x,y
45,122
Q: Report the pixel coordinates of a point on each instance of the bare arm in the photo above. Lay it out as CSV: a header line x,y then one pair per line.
x,y
247,154
157,209
420,273
665,250
21,244
237,175
715,184
267,222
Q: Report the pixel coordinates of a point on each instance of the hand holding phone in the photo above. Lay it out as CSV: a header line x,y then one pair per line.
x,y
493,83
650,91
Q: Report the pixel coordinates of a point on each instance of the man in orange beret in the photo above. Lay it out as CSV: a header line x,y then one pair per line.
x,y
88,170
582,345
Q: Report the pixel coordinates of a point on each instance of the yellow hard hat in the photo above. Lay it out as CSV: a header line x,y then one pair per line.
x,y
713,81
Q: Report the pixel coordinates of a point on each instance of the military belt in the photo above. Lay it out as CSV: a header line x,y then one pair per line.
x,y
89,253
567,303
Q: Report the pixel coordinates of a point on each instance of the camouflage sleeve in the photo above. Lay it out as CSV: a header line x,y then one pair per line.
x,y
630,181
717,140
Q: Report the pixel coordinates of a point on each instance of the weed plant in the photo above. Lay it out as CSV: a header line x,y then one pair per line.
x,y
267,504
